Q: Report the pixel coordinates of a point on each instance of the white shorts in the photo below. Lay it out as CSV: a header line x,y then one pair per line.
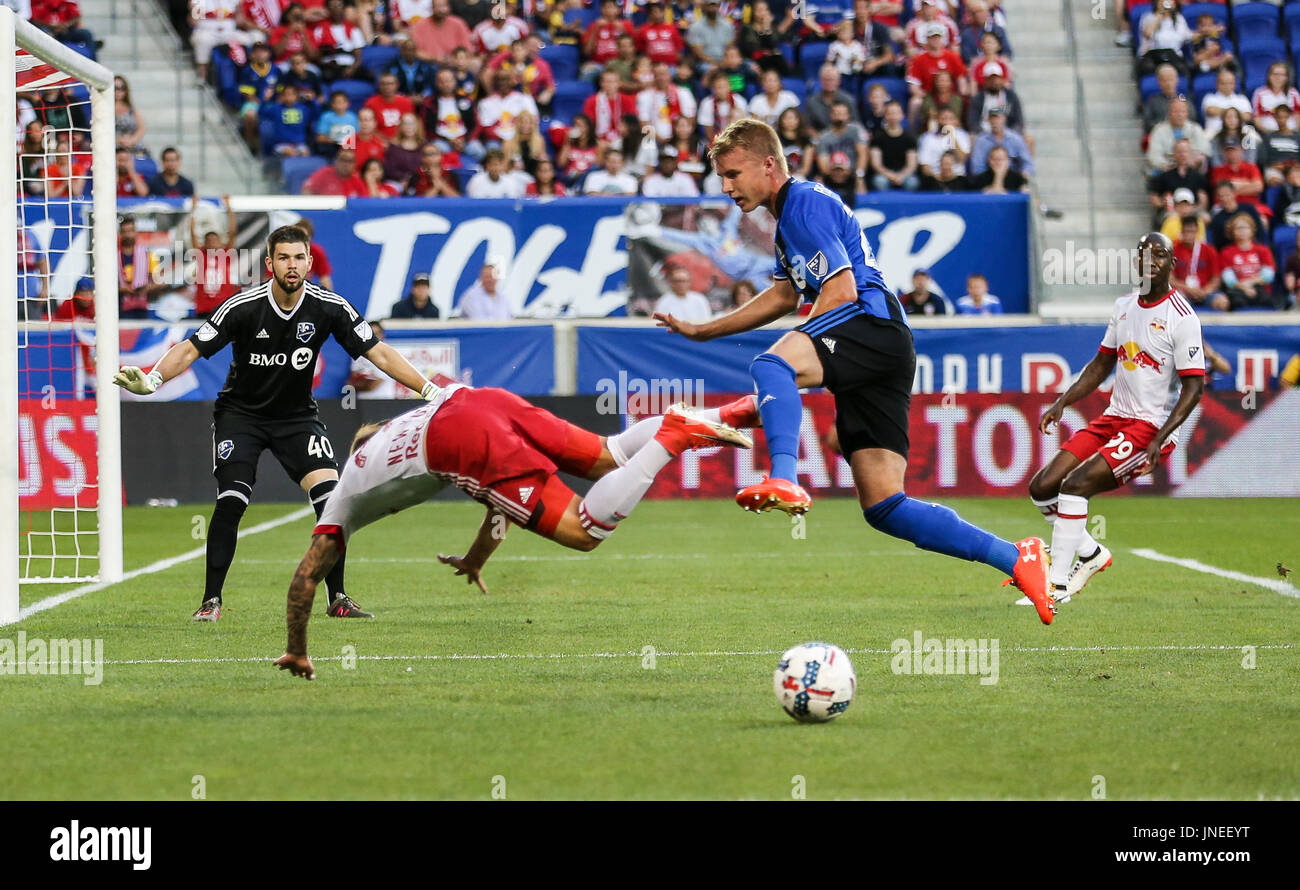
x,y
387,474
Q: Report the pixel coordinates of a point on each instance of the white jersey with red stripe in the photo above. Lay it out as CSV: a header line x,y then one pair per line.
x,y
1154,345
387,474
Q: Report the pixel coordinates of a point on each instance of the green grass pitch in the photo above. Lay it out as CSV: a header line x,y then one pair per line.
x,y
1140,681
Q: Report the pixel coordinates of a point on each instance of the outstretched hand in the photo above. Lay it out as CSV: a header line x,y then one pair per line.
x,y
689,330
471,572
298,665
1051,417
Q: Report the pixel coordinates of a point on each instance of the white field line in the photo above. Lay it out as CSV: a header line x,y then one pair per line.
x,y
587,557
161,565
506,656
1277,585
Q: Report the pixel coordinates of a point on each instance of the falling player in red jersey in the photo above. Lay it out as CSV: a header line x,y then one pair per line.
x,y
1153,338
505,453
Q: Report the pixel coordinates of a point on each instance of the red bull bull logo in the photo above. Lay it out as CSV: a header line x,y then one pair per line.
x,y
1157,325
1136,357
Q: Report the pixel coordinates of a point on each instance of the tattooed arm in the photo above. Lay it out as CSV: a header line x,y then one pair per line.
x,y
320,558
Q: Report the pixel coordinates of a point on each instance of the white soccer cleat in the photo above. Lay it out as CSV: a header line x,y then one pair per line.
x,y
1084,570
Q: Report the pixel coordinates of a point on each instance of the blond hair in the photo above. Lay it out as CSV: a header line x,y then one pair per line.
x,y
753,136
363,435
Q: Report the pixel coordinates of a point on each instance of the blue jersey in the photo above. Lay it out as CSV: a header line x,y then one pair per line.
x,y
818,236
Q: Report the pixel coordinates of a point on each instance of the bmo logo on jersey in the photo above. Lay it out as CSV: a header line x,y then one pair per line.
x,y
301,358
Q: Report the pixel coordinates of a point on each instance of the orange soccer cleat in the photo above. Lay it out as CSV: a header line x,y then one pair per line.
x,y
1031,576
742,413
682,429
781,494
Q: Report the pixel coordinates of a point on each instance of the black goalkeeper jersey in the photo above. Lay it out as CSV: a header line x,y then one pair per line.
x,y
275,351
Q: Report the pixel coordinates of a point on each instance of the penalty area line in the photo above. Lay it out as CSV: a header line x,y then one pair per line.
x,y
1276,585
508,656
161,565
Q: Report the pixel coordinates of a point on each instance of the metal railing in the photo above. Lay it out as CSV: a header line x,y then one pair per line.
x,y
1080,114
129,16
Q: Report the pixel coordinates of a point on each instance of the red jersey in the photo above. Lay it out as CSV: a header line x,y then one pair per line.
x,y
922,68
1244,170
126,188
213,284
1245,262
662,43
389,112
320,262
297,43
326,181
607,35
1198,265
605,113
373,147
70,309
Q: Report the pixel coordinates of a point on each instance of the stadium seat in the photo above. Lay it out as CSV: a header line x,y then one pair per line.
x,y
797,86
357,91
1253,81
225,76
563,59
1149,86
1193,11
378,57
296,171
787,50
463,176
1203,85
84,49
1252,21
569,98
1256,55
1135,18
811,58
588,14
1291,24
896,86
145,166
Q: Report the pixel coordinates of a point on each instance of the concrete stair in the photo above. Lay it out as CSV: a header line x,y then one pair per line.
x,y
141,46
1104,211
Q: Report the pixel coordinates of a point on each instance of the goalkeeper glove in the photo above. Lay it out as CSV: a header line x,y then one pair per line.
x,y
430,390
137,381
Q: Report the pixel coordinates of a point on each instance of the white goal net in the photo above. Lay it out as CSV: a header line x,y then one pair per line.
x,y
60,468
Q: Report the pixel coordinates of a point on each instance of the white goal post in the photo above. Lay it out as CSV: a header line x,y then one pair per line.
x,y
103,259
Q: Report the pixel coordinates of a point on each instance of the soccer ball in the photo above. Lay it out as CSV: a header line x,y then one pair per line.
x,y
814,682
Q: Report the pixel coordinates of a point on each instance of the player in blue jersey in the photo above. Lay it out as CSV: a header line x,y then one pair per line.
x,y
857,344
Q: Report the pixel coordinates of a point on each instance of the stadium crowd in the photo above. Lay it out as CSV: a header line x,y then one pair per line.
x,y
1221,116
552,97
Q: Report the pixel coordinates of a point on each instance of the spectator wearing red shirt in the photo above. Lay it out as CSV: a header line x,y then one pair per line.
x,y
322,272
922,68
657,39
293,36
217,277
80,305
389,106
600,43
340,43
65,176
1244,176
606,107
130,184
340,178
438,36
1247,267
367,142
1196,268
61,19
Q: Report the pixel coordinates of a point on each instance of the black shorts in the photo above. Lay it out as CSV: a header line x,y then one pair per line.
x,y
300,446
868,364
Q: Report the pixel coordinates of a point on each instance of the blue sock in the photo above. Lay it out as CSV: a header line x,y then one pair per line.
x,y
782,411
937,528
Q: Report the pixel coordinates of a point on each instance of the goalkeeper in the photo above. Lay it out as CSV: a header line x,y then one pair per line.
x,y
277,330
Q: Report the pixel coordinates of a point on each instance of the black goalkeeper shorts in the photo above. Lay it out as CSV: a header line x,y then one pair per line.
x,y
301,446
